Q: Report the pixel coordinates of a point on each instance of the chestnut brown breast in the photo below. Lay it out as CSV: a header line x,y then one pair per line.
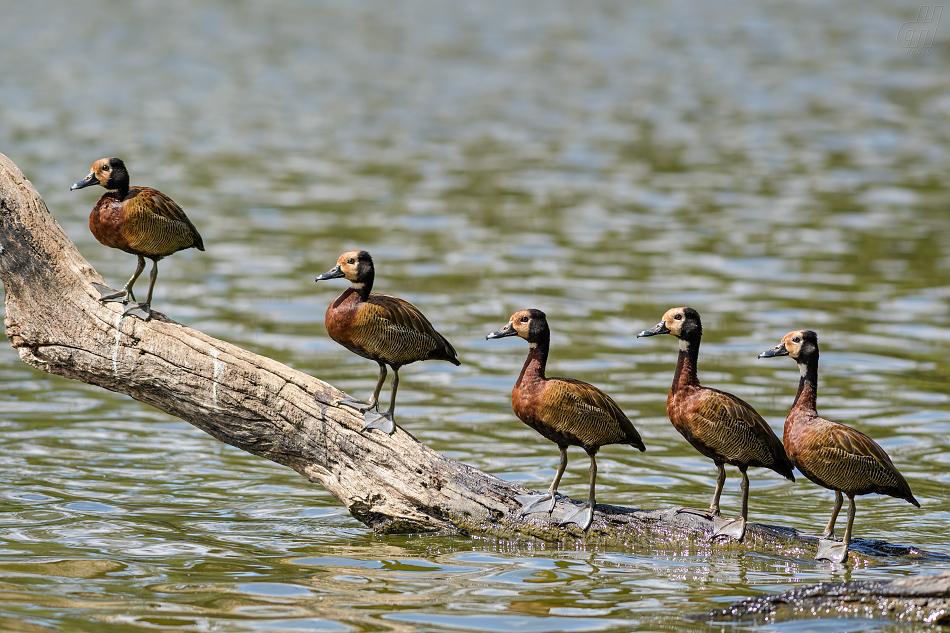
x,y
340,317
106,222
145,222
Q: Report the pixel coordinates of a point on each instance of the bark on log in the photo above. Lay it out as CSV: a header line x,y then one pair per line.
x,y
393,484
918,599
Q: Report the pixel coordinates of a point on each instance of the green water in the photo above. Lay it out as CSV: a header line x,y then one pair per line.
x,y
776,167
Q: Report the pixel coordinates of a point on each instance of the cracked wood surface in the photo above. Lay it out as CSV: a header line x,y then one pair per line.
x,y
917,599
393,484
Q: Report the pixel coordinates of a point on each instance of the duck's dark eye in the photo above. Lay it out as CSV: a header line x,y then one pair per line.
x,y
678,317
524,319
796,340
106,168
351,261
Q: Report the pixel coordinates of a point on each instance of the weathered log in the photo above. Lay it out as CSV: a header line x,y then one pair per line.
x,y
391,483
918,599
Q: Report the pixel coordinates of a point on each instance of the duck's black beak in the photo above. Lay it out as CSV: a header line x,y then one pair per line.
x,y
659,328
778,350
508,330
88,181
334,273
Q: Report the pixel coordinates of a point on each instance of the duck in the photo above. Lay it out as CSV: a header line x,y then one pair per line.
x,y
830,454
138,220
719,425
386,329
565,411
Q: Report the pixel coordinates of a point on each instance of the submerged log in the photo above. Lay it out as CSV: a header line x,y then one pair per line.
x,y
918,599
391,483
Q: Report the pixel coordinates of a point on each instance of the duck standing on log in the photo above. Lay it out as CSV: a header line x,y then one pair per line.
x,y
831,454
138,220
567,412
388,330
719,425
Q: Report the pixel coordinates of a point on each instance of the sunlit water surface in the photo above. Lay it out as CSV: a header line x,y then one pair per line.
x,y
776,167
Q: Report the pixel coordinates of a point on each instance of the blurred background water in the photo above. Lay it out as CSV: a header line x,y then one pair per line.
x,y
777,166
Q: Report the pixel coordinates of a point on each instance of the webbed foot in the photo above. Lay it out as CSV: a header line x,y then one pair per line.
x,y
140,310
706,514
728,528
582,518
536,503
109,295
834,551
381,421
359,405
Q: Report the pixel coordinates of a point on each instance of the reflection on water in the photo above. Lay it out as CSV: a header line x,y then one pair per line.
x,y
602,163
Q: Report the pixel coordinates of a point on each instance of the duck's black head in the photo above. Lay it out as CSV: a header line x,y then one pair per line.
x,y
802,345
683,323
356,266
530,324
106,172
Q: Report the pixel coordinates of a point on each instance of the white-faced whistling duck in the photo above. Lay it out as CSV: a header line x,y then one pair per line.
x,y
382,328
565,411
138,220
830,454
719,425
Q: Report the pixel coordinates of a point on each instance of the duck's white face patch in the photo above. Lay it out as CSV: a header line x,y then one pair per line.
x,y
102,171
793,343
520,322
673,320
349,264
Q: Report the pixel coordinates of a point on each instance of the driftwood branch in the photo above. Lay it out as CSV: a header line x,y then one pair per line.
x,y
918,599
393,484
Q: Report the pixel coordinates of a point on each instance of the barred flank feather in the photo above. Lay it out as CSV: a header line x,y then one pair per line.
x,y
396,332
155,226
